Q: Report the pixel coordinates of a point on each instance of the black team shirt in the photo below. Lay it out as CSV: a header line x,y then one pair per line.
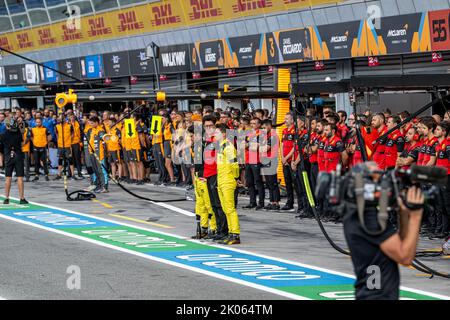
x,y
365,252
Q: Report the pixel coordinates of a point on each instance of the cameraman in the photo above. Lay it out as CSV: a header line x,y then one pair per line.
x,y
14,158
379,255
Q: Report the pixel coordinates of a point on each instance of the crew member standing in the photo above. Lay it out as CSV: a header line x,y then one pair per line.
x,y
378,123
288,142
203,209
227,173
40,136
394,144
210,173
253,168
64,132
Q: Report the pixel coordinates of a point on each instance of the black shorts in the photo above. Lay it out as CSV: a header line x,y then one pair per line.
x,y
135,155
66,152
2,148
167,149
15,163
114,156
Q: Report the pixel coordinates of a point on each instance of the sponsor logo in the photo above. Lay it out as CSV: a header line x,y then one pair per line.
x,y
24,41
341,38
97,27
70,34
398,32
128,21
250,5
174,59
45,37
245,49
4,43
203,9
162,15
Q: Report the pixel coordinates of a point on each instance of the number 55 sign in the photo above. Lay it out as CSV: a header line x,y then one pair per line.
x,y
440,30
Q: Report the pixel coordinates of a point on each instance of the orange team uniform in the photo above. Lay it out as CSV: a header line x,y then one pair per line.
x,y
67,133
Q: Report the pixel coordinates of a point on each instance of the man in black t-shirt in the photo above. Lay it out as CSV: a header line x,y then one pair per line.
x,y
376,258
14,158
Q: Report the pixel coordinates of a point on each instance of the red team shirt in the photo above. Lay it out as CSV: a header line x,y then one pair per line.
x,y
333,149
394,145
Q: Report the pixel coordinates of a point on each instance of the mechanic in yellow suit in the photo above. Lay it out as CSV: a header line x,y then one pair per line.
x,y
227,173
203,208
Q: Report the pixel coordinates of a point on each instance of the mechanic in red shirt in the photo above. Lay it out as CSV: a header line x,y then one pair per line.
x,y
394,144
427,154
378,124
253,175
410,153
321,140
287,156
441,132
334,149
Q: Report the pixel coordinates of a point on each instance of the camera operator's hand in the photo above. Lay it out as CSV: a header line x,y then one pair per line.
x,y
414,197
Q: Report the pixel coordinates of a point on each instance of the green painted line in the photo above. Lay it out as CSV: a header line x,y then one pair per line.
x,y
137,239
344,292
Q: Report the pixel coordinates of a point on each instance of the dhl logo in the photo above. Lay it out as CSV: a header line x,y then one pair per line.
x,y
70,34
97,27
250,5
4,43
203,9
129,21
163,15
24,41
45,37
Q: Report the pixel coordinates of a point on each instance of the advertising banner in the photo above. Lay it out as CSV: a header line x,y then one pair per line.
x,y
139,64
294,45
13,74
338,40
246,51
174,59
92,67
440,30
71,67
31,73
400,34
207,55
50,76
116,64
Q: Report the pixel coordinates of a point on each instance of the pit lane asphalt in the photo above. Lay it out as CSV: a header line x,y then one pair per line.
x,y
33,262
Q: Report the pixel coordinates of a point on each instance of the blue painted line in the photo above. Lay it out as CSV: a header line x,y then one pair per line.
x,y
56,218
251,268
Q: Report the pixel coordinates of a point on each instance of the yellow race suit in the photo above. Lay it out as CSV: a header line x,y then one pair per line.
x,y
227,173
203,204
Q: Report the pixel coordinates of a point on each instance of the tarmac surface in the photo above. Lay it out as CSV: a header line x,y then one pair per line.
x,y
34,261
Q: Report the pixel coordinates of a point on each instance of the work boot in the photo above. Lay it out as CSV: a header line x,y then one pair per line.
x,y
268,207
233,239
250,206
203,234
211,234
288,208
275,207
259,207
219,237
